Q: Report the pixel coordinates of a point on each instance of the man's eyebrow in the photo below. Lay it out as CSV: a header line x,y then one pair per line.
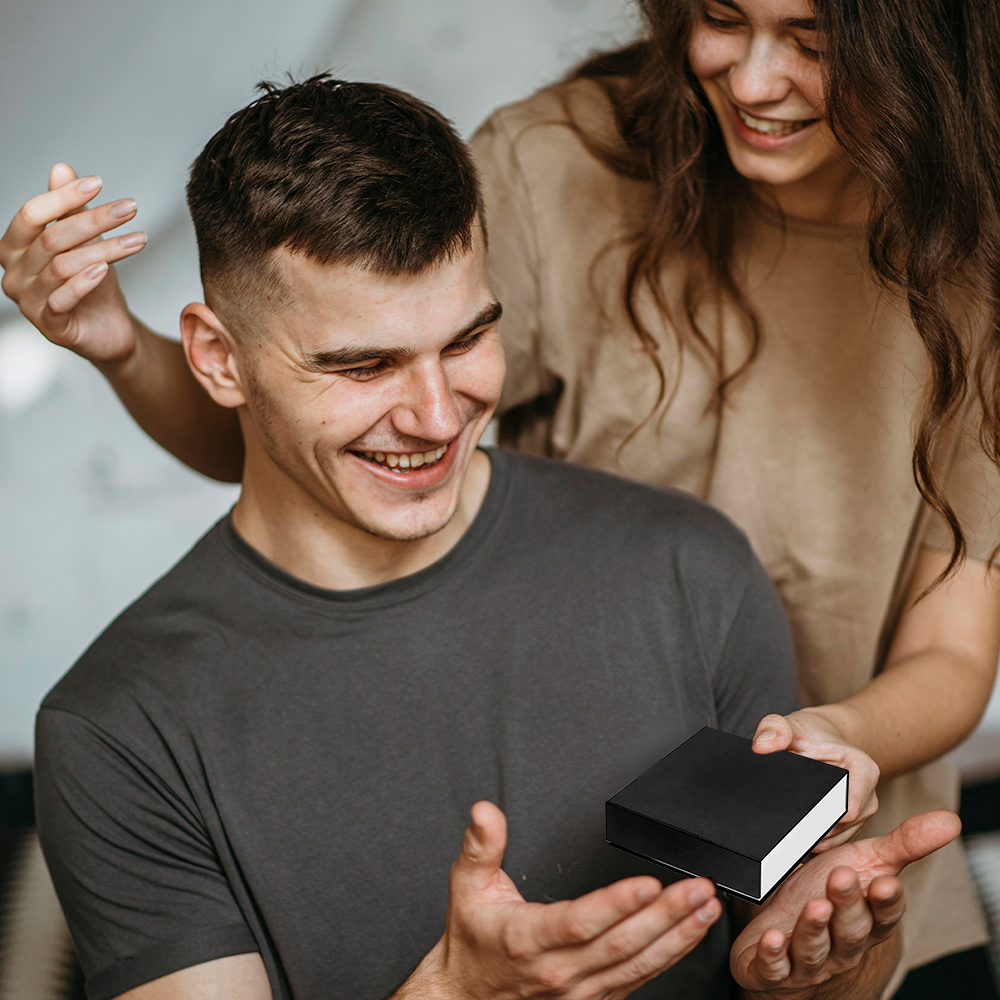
x,y
802,23
360,354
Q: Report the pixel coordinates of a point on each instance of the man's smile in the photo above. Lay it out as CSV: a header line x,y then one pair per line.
x,y
401,461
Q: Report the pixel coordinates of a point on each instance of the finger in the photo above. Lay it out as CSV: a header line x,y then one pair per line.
x,y
482,850
838,835
578,921
68,265
665,951
810,944
38,212
632,935
887,902
851,922
773,961
68,296
774,732
915,838
75,231
60,174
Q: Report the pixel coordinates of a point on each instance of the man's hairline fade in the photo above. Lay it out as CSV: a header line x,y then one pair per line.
x,y
354,174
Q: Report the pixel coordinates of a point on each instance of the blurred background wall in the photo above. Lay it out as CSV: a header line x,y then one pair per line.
x,y
91,511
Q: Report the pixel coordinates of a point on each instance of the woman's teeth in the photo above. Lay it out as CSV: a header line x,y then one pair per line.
x,y
400,462
772,127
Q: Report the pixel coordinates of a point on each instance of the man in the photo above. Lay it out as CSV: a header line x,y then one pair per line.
x,y
253,783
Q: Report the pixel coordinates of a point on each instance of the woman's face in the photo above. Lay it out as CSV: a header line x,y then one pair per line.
x,y
758,62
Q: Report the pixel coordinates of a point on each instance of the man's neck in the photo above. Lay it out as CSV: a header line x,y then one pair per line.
x,y
304,539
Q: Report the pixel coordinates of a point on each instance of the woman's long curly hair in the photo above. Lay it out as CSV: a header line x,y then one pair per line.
x,y
913,97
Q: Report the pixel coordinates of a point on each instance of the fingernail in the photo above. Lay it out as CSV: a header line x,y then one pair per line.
x,y
132,240
765,737
698,896
87,184
96,270
120,209
708,911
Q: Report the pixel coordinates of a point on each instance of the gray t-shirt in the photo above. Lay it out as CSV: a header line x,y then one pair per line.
x,y
245,762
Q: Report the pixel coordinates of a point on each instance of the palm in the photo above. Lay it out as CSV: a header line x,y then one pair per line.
x,y
871,859
99,327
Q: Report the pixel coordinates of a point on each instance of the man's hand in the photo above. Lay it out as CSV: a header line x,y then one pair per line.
x,y
814,733
834,909
56,267
600,946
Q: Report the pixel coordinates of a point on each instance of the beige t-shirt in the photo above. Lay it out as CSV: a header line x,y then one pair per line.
x,y
810,455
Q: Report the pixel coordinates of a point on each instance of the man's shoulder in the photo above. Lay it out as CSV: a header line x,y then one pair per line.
x,y
607,509
167,632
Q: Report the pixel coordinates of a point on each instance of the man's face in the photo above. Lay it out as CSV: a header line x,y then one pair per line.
x,y
369,393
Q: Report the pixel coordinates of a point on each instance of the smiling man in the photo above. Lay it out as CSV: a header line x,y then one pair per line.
x,y
253,784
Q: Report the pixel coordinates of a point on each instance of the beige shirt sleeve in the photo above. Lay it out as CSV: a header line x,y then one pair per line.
x,y
972,485
514,262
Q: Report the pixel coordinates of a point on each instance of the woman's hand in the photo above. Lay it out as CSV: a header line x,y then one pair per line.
x,y
57,267
814,732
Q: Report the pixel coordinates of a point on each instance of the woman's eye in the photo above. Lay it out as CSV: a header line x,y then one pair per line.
x,y
717,20
808,52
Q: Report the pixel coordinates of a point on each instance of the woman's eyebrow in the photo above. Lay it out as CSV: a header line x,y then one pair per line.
x,y
802,23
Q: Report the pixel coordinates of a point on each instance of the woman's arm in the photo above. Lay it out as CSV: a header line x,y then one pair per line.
x,y
932,691
939,672
57,268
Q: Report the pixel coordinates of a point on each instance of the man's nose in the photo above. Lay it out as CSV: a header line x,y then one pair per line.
x,y
760,75
427,408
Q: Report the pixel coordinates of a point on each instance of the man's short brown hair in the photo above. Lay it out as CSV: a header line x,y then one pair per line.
x,y
350,173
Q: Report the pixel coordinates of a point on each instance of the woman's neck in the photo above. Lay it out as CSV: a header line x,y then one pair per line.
x,y
835,195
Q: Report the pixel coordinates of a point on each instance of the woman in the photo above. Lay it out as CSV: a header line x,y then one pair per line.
x,y
744,257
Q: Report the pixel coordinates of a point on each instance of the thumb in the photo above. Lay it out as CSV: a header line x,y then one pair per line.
x,y
482,850
60,174
915,838
774,732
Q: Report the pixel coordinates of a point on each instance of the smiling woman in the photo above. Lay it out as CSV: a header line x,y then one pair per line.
x,y
753,256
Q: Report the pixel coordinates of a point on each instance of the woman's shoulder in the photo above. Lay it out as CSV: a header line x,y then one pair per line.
x,y
553,131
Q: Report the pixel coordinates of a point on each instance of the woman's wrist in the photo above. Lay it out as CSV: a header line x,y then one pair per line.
x,y
844,721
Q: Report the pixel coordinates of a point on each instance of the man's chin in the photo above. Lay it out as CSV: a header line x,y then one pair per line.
x,y
422,524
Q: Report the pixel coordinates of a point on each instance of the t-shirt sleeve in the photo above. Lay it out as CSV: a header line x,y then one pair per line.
x,y
755,673
514,261
131,860
972,485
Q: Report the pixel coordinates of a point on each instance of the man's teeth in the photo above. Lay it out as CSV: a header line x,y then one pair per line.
x,y
773,127
410,461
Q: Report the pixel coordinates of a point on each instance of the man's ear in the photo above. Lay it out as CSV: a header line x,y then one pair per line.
x,y
211,353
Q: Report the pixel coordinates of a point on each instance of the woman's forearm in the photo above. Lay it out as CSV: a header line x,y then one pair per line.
x,y
916,710
159,391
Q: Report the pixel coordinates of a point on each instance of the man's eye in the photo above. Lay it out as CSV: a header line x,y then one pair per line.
x,y
460,346
365,373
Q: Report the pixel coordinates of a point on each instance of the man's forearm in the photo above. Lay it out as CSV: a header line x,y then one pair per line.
x,y
866,982
164,398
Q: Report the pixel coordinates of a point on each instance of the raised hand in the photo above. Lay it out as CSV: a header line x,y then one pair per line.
x,y
601,946
813,733
57,267
836,907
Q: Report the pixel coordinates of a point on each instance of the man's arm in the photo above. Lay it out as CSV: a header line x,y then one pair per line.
x,y
57,269
238,977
